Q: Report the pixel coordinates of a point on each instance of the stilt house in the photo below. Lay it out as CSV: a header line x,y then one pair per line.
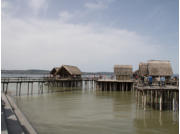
x,y
67,71
156,68
123,72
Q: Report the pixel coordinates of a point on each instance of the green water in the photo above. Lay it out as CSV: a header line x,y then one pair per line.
x,y
94,112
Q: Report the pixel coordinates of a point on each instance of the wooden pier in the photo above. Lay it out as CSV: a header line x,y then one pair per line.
x,y
158,97
41,81
114,85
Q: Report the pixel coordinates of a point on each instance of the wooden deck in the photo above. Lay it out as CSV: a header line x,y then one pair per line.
x,y
116,81
158,97
168,87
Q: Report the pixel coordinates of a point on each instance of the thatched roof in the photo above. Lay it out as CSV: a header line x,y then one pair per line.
x,y
159,68
54,70
123,69
73,70
143,69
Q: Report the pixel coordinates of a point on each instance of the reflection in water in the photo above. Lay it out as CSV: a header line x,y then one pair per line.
x,y
89,111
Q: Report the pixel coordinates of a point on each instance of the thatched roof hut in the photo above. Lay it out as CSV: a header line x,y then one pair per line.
x,y
159,68
54,70
143,69
123,70
67,70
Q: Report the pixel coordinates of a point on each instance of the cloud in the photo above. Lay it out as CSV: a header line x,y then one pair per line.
x,y
36,43
99,4
65,15
96,5
38,5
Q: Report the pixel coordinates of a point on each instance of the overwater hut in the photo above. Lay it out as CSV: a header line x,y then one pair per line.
x,y
54,71
67,71
123,72
160,68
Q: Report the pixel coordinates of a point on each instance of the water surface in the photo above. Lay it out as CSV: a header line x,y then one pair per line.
x,y
88,111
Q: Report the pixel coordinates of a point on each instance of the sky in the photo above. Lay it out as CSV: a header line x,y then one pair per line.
x,y
91,34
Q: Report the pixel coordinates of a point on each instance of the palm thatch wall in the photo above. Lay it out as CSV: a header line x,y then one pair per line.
x,y
123,72
159,68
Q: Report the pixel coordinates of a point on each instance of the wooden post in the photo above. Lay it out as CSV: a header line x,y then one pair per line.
x,y
137,97
20,89
32,88
126,86
122,86
160,101
6,88
42,89
142,98
173,101
3,87
39,87
156,98
28,89
145,100
16,89
151,98
48,87
110,84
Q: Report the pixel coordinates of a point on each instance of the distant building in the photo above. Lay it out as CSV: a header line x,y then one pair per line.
x,y
123,72
67,71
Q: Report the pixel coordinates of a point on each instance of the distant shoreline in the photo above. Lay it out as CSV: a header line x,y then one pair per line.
x,y
45,72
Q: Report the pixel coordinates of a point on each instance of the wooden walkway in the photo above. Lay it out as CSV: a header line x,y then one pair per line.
x,y
50,81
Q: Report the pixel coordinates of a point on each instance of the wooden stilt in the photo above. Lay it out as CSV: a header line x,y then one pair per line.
x,y
160,102
145,95
32,88
42,89
3,87
20,89
28,89
6,88
16,89
173,101
48,87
